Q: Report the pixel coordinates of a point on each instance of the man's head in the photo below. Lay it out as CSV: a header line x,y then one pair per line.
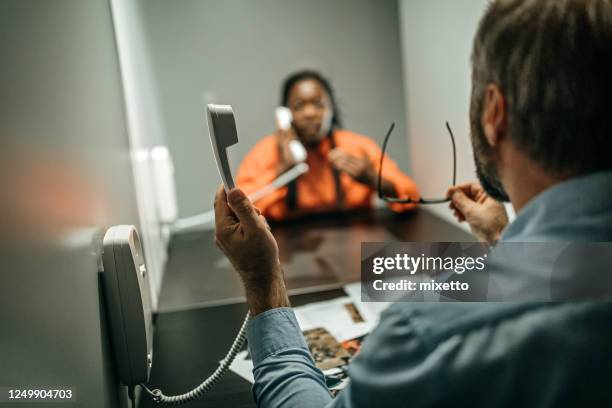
x,y
542,89
312,103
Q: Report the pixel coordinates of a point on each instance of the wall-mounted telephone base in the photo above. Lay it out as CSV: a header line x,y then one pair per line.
x,y
126,289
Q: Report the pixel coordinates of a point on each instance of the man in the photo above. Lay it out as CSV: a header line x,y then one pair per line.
x,y
539,116
343,166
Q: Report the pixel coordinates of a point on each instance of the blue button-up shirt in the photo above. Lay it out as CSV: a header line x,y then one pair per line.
x,y
443,354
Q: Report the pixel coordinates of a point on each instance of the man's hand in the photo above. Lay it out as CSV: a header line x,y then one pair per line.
x,y
243,234
486,217
359,168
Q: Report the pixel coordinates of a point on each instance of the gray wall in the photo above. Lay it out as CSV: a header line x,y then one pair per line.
x,y
436,44
65,175
238,52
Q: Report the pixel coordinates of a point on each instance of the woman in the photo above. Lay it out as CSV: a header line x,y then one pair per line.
x,y
343,166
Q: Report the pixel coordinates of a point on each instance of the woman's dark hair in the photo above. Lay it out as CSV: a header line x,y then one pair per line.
x,y
299,76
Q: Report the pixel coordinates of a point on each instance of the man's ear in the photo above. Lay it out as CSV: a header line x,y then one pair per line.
x,y
494,115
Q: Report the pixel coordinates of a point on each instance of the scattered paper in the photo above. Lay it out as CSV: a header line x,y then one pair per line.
x,y
345,318
371,311
335,316
243,366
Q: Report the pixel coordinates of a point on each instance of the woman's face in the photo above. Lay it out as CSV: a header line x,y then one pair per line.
x,y
308,102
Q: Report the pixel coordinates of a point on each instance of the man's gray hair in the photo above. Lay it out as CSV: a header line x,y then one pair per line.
x,y
552,60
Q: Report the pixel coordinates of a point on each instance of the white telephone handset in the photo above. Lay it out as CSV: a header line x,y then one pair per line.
x,y
326,124
283,122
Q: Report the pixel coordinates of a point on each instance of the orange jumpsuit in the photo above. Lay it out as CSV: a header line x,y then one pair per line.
x,y
316,189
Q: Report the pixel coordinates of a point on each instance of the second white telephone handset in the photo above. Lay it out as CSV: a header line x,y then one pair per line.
x,y
283,122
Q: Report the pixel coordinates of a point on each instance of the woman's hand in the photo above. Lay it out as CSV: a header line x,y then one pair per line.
x,y
359,168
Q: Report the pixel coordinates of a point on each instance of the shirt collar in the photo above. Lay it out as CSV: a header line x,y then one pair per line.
x,y
563,204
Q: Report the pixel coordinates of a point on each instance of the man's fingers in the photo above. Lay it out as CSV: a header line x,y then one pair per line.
x,y
476,190
467,185
243,209
460,217
449,193
462,202
222,210
263,220
456,212
471,189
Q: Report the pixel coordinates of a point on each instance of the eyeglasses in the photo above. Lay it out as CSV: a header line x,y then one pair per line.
x,y
410,200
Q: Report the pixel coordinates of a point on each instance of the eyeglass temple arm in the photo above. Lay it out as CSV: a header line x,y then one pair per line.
x,y
382,157
450,132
